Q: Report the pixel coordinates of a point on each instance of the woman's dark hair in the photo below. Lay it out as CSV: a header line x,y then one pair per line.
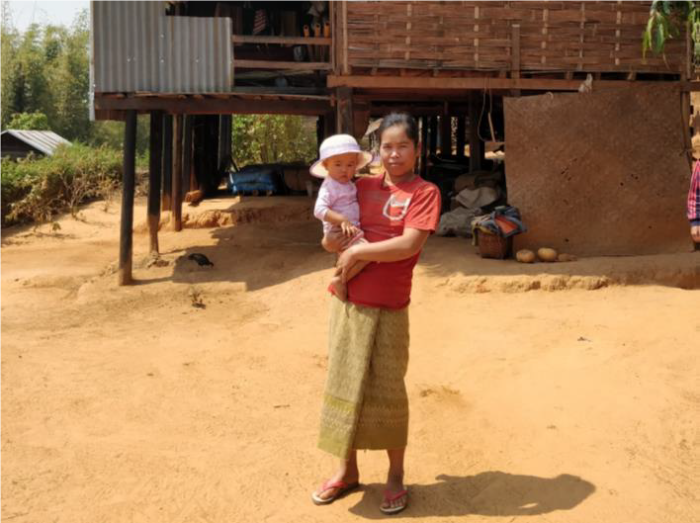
x,y
405,120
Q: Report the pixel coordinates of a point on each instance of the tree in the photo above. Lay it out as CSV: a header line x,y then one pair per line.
x,y
668,20
271,138
29,122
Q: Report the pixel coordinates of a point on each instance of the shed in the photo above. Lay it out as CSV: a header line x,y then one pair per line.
x,y
19,144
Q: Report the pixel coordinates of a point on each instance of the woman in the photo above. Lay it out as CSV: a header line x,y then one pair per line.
x,y
365,405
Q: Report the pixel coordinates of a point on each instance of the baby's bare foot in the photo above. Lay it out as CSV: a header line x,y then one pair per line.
x,y
340,289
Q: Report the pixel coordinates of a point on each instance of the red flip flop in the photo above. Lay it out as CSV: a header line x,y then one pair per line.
x,y
341,487
389,497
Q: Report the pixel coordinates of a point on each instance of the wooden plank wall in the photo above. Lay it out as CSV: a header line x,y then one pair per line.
x,y
554,36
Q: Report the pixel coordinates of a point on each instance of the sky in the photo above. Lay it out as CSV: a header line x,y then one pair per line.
x,y
57,13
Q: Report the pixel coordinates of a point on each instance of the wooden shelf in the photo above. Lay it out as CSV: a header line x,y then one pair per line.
x,y
269,64
280,40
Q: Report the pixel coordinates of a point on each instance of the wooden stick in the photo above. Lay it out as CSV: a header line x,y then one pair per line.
x,y
127,222
155,166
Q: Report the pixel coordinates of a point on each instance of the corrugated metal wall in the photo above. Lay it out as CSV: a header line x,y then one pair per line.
x,y
136,47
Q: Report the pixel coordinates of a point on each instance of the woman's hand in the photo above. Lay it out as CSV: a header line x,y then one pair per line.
x,y
346,260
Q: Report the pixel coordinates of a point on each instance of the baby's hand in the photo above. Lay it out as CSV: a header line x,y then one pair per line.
x,y
348,228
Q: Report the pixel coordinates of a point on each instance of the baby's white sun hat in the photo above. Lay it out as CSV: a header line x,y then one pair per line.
x,y
335,145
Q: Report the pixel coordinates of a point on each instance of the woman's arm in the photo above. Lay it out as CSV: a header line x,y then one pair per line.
x,y
394,249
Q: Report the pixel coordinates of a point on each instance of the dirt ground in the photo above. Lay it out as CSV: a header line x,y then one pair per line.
x,y
554,393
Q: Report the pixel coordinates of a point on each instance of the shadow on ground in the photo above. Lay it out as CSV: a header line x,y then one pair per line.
x,y
487,494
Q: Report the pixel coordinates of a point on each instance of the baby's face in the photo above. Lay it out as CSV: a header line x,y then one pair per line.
x,y
342,167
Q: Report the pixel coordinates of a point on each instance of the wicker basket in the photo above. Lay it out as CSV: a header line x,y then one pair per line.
x,y
494,246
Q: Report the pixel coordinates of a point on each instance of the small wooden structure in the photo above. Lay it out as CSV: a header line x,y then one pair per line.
x,y
191,65
20,144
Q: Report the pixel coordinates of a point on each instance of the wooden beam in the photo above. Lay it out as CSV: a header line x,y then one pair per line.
x,y
344,113
188,181
445,135
515,55
155,167
476,146
423,145
360,119
449,84
282,40
167,161
176,198
461,136
433,134
345,63
270,64
214,105
127,222
329,125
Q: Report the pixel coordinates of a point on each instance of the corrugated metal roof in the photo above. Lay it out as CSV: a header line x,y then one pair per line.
x,y
43,141
135,47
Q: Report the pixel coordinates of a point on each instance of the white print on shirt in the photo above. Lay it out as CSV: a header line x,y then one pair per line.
x,y
393,206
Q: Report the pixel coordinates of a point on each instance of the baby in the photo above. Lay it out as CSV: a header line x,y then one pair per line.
x,y
340,158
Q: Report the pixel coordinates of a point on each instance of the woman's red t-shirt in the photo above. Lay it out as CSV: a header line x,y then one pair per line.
x,y
384,213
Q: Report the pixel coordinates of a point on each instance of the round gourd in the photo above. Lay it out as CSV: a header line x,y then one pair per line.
x,y
525,256
546,254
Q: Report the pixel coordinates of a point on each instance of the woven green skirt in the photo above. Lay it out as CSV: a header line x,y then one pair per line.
x,y
365,405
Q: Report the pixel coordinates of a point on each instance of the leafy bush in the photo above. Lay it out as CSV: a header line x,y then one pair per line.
x,y
36,189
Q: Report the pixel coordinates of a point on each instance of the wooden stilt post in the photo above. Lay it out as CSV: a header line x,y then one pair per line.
x,y
476,146
155,167
433,134
188,181
423,145
329,124
320,130
461,138
446,135
167,161
224,153
344,112
176,198
127,223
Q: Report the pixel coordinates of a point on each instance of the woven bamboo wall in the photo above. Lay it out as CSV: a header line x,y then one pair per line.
x,y
553,36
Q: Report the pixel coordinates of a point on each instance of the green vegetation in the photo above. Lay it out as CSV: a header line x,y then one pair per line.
x,y
667,20
35,189
269,138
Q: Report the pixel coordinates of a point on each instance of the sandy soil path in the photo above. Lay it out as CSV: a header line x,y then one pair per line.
x,y
139,405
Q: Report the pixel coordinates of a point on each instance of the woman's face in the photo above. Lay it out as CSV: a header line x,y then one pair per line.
x,y
398,152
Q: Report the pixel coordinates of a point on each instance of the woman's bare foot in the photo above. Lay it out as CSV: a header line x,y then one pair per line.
x,y
340,289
